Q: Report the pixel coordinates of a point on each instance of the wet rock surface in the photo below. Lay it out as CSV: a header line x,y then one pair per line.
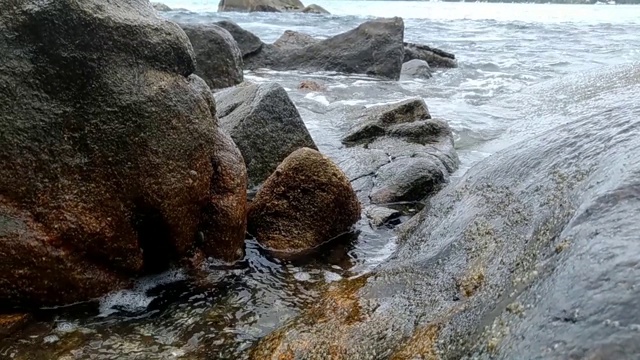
x,y
218,58
307,201
530,255
373,48
265,124
401,153
111,151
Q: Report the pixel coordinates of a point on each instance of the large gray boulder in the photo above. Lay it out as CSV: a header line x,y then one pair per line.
x,y
265,124
248,43
260,5
112,163
218,58
533,254
373,48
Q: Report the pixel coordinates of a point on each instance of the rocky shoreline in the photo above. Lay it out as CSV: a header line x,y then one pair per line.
x,y
137,145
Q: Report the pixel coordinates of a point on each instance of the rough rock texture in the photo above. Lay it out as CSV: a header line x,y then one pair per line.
x,y
160,6
10,323
260,5
401,153
315,9
265,124
293,40
532,255
416,69
110,151
246,40
373,48
434,57
305,202
218,58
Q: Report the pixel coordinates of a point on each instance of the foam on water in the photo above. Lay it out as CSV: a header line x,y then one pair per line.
x,y
136,299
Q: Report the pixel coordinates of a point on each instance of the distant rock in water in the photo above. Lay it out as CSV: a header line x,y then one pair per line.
x,y
160,6
434,57
315,9
304,203
402,154
112,162
373,48
311,85
218,58
265,124
416,69
260,5
532,253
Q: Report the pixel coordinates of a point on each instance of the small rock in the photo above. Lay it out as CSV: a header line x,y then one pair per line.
x,y
315,9
218,58
407,179
311,85
307,201
417,69
380,215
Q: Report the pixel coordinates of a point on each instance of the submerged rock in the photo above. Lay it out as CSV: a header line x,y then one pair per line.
x,y
534,249
417,69
312,85
304,203
218,58
315,9
373,48
434,57
265,124
110,152
260,5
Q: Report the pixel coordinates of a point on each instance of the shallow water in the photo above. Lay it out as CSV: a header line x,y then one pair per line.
x,y
520,73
